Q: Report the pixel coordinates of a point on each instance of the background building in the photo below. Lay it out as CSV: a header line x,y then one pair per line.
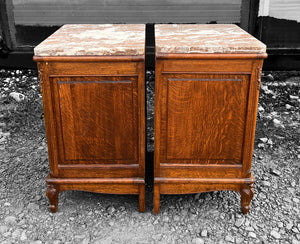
x,y
25,23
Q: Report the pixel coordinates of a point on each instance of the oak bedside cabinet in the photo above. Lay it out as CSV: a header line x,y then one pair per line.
x,y
206,94
93,88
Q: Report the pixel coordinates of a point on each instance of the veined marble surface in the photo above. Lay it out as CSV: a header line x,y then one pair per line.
x,y
205,38
94,40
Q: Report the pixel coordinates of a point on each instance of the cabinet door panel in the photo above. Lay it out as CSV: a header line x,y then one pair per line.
x,y
98,120
205,117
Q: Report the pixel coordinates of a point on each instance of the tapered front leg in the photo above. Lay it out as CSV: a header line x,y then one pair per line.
x,y
52,194
246,197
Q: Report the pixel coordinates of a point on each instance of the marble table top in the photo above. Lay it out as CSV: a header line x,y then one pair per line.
x,y
94,40
205,38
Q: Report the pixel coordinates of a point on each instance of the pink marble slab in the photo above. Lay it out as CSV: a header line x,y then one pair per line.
x,y
205,38
94,40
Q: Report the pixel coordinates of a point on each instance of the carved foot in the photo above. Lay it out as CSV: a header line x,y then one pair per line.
x,y
52,194
246,197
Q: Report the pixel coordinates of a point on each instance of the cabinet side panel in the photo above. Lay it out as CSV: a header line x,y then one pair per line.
x,y
98,119
141,118
251,116
158,107
206,117
51,126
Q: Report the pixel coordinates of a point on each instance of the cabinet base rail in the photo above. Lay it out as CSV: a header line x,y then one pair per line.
x,y
99,185
196,185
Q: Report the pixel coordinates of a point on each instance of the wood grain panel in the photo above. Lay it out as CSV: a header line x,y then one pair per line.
x,y
188,188
180,170
103,188
98,119
98,171
206,117
91,68
232,66
200,161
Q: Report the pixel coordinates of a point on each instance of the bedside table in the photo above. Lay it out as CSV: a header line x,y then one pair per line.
x,y
93,88
206,95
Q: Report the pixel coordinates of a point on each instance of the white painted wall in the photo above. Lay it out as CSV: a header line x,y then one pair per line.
x,y
280,9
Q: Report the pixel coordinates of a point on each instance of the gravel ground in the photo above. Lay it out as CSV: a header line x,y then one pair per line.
x,y
85,217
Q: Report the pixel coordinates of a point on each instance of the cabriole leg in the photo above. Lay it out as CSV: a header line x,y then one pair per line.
x,y
52,194
246,197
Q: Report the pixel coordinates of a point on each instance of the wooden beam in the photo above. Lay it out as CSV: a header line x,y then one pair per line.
x,y
245,10
253,14
7,23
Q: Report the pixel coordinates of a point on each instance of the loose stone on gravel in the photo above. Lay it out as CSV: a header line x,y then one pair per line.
x,y
289,226
261,145
6,234
85,241
10,220
260,109
296,200
247,222
36,242
3,229
275,234
278,123
176,218
197,196
270,77
229,238
252,234
264,139
280,225
19,97
197,241
38,197
23,236
275,172
262,195
204,233
239,240
238,223
33,206
249,228
16,233
294,241
166,219
266,183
